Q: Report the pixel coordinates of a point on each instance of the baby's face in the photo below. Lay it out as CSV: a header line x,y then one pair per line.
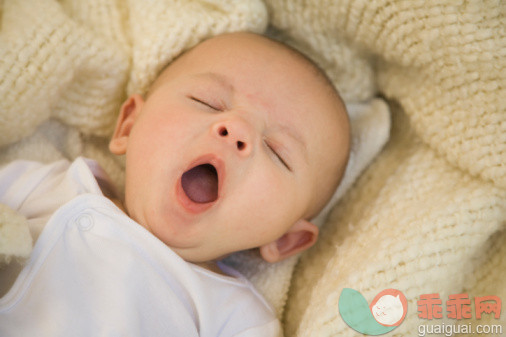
x,y
236,143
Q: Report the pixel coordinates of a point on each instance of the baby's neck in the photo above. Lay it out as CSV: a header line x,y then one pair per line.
x,y
211,266
110,192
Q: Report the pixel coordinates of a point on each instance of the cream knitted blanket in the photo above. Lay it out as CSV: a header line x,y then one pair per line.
x,y
427,216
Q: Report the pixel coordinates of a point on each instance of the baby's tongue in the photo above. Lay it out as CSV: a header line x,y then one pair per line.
x,y
201,183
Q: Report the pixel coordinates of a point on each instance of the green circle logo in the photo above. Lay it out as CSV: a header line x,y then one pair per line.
x,y
386,311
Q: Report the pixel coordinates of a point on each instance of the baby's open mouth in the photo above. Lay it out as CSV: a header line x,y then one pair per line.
x,y
200,183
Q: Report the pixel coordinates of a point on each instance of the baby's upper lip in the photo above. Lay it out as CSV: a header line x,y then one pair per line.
x,y
182,196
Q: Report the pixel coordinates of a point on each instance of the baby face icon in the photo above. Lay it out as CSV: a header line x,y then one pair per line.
x,y
389,307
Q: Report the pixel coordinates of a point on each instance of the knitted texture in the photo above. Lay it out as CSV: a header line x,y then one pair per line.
x,y
15,240
412,222
71,60
427,216
433,203
52,65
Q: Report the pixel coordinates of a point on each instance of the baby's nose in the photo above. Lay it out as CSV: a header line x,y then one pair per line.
x,y
237,133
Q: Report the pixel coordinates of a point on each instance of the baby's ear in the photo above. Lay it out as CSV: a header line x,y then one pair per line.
x,y
301,236
128,112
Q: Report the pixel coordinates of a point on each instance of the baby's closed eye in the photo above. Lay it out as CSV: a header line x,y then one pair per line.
x,y
277,154
209,103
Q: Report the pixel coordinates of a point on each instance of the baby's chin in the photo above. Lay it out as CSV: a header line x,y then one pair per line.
x,y
199,254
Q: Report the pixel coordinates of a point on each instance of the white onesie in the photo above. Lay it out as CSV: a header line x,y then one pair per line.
x,y
95,272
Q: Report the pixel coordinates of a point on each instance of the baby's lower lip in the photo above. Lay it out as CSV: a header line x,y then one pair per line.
x,y
187,203
183,199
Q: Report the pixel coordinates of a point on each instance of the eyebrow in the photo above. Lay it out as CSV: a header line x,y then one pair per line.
x,y
295,135
218,78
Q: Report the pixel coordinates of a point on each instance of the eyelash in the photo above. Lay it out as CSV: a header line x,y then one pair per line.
x,y
271,148
195,99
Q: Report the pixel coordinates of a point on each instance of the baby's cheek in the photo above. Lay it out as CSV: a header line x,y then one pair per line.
x,y
266,196
273,189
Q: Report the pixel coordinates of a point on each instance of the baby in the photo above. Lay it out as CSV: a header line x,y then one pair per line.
x,y
238,144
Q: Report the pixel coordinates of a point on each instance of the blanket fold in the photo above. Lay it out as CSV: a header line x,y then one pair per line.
x,y
433,203
427,216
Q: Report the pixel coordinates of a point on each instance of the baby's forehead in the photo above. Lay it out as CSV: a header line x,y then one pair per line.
x,y
240,44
